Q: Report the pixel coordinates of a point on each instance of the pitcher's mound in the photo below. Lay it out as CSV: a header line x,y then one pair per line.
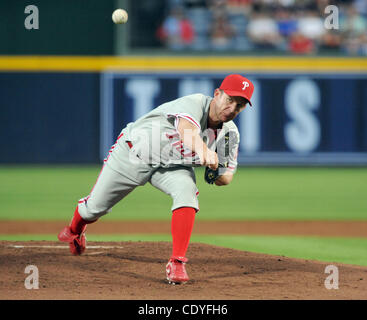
x,y
136,270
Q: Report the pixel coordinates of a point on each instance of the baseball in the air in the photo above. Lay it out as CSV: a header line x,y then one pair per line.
x,y
119,16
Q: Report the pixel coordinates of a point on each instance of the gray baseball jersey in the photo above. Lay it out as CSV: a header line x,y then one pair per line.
x,y
151,149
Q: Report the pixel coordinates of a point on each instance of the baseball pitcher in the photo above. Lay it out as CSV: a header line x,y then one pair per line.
x,y
162,148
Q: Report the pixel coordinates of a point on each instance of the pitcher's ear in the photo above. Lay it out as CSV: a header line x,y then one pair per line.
x,y
217,92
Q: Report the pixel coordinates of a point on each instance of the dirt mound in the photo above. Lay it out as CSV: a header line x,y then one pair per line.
x,y
136,271
306,228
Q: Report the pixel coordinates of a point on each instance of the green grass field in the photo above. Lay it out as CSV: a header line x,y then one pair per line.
x,y
51,193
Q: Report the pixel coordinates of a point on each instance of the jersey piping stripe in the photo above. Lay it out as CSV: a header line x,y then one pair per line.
x,y
113,147
190,119
104,164
187,117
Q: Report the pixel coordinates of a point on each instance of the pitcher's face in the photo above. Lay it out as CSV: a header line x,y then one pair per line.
x,y
227,107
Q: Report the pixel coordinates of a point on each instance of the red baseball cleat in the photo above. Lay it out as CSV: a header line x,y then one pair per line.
x,y
175,270
77,242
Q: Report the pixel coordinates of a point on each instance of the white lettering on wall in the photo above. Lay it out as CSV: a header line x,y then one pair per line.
x,y
302,133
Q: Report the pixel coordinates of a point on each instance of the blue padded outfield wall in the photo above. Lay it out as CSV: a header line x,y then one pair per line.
x,y
74,117
49,117
294,119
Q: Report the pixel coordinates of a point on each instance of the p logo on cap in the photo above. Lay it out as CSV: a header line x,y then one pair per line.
x,y
239,86
245,85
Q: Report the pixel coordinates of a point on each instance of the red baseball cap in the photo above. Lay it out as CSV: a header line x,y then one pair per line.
x,y
238,86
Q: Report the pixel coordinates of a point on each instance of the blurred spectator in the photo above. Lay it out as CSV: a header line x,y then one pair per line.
x,y
287,24
238,13
295,26
353,27
331,40
221,31
263,31
199,15
300,44
353,23
356,45
176,31
221,34
311,25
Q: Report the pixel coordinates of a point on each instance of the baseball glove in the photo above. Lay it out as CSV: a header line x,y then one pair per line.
x,y
211,175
